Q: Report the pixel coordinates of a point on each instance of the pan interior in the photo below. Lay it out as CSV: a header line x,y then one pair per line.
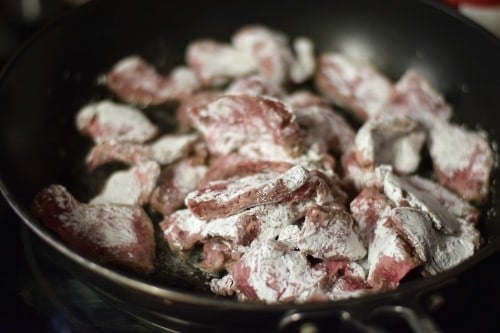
x,y
56,74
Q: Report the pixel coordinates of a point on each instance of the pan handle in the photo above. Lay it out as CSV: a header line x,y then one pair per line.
x,y
322,322
343,321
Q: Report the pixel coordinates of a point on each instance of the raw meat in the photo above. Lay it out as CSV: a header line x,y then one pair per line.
x,y
108,121
130,187
358,87
463,160
116,234
137,82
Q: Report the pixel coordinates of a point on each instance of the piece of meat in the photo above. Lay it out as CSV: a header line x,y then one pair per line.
x,y
174,183
416,98
217,255
350,284
253,126
108,121
394,141
360,88
234,165
224,286
455,205
270,273
324,129
462,159
438,251
269,50
194,101
164,150
137,82
254,85
367,208
390,258
130,187
356,175
182,230
327,233
404,194
303,65
120,235
227,197
217,63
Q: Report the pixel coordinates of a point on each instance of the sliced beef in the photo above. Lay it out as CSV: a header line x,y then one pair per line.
x,y
116,234
137,82
253,126
358,87
463,160
437,250
390,258
416,98
367,208
131,187
164,150
237,166
254,85
182,230
217,63
324,129
270,273
108,121
404,194
174,183
394,141
327,233
226,197
273,56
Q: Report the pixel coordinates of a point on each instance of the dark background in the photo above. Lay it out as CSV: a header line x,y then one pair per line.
x,y
468,305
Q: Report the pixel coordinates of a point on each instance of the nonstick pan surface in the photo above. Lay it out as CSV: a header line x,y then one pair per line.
x,y
55,74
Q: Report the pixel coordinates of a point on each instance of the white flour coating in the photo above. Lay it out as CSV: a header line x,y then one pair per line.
x,y
263,184
455,205
386,242
373,91
184,80
342,289
117,122
269,50
110,225
130,187
170,148
452,147
439,251
281,275
187,177
390,140
355,85
303,67
401,192
343,73
217,62
188,225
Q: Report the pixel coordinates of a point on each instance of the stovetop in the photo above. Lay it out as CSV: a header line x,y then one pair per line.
x,y
40,296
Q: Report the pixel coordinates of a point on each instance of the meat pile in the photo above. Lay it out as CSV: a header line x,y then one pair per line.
x,y
284,199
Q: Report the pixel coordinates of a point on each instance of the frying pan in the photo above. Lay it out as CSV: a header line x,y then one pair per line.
x,y
55,74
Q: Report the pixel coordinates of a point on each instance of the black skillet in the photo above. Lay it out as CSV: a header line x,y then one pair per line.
x,y
55,74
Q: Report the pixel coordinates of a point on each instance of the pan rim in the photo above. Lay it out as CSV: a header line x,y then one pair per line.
x,y
420,285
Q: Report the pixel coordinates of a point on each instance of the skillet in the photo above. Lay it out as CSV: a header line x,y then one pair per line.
x,y
55,74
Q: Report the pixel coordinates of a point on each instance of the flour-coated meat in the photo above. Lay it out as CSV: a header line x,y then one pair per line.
x,y
121,235
463,160
360,88
109,121
135,81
